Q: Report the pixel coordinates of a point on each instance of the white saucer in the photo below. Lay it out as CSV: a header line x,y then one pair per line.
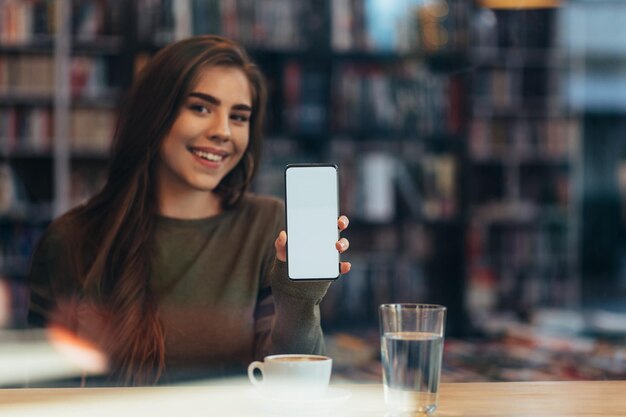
x,y
333,397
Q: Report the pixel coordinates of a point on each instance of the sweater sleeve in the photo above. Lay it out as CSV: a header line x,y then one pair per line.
x,y
296,327
293,324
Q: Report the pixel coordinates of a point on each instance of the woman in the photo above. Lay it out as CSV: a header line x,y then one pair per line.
x,y
173,268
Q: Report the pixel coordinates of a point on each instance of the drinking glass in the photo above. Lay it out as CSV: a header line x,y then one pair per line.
x,y
411,337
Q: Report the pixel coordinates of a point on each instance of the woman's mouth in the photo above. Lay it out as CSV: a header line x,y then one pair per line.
x,y
210,156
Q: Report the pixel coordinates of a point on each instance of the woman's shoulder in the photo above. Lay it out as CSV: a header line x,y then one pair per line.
x,y
61,230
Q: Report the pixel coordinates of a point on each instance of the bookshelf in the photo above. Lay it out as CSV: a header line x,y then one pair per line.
x,y
524,157
61,75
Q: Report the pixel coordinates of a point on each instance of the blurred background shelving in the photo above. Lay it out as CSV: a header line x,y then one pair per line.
x,y
480,145
524,145
62,73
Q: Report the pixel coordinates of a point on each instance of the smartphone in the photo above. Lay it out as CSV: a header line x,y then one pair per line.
x,y
311,211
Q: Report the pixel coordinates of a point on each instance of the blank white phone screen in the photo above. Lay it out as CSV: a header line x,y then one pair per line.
x,y
312,212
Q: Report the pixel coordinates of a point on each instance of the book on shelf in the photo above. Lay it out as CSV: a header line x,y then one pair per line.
x,y
304,95
341,25
33,76
27,22
91,130
376,187
277,24
26,128
390,100
439,186
27,75
155,23
527,139
533,89
89,77
92,20
24,22
499,86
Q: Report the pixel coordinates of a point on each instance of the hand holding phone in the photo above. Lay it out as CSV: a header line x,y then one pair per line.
x,y
312,210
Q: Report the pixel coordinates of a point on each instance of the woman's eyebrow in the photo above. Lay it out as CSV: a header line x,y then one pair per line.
x,y
216,102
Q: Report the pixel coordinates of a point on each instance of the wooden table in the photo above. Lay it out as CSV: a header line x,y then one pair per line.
x,y
236,398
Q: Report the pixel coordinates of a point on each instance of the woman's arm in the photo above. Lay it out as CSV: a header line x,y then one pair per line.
x,y
288,316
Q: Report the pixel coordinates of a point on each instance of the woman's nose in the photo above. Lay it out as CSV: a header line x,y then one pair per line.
x,y
220,127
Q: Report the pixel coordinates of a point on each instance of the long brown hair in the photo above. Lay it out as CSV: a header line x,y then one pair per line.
x,y
117,224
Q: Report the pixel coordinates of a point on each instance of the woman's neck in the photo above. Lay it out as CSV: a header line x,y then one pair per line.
x,y
189,205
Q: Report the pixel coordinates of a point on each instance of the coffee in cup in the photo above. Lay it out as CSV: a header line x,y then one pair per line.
x,y
293,374
298,358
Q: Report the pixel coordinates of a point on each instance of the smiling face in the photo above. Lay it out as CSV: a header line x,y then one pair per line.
x,y
210,134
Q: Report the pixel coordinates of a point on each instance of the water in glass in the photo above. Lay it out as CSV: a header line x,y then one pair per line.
x,y
411,370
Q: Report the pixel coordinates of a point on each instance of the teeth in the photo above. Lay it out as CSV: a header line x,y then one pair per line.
x,y
208,156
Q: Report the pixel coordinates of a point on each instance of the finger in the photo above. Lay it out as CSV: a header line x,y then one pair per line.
x,y
281,240
342,245
343,222
345,267
280,244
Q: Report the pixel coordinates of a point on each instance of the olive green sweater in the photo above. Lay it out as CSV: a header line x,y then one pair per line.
x,y
224,300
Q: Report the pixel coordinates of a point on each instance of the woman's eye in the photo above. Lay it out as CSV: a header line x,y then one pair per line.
x,y
199,108
240,118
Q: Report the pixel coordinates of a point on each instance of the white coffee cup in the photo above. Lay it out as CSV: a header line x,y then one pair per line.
x,y
294,374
